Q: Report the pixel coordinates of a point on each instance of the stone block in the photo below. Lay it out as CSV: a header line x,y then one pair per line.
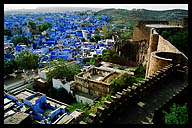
x,y
125,92
91,118
82,122
119,93
100,111
113,99
107,105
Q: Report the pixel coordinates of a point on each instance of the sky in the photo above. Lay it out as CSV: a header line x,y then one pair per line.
x,y
120,6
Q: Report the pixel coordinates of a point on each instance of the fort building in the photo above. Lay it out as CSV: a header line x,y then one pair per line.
x,y
93,83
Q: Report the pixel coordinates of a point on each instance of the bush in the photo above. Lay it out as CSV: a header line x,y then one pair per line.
x,y
74,106
122,81
178,115
140,71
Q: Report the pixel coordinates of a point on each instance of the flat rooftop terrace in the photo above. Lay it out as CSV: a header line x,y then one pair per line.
x,y
16,118
161,26
23,95
96,77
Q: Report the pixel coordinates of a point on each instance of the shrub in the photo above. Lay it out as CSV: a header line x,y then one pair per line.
x,y
122,81
140,71
178,115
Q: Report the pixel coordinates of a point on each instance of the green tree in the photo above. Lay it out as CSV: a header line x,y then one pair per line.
x,y
100,18
130,26
166,34
27,60
92,61
90,20
109,55
62,70
97,38
7,32
125,35
20,40
107,32
32,24
39,18
180,41
9,66
178,115
44,26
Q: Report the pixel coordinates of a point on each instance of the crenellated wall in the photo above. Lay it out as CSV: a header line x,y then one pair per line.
x,y
130,95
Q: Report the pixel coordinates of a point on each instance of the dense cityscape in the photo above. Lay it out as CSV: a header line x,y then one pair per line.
x,y
83,67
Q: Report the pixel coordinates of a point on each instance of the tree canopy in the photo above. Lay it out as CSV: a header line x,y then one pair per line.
x,y
107,32
109,55
32,24
9,66
20,40
179,39
7,32
44,26
27,60
62,70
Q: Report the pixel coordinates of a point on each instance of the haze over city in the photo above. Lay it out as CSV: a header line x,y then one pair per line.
x,y
103,6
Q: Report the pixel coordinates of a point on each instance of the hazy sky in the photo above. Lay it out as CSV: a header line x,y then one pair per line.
x,y
122,6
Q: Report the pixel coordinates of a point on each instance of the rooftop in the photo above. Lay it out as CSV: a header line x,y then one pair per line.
x,y
162,26
16,118
23,95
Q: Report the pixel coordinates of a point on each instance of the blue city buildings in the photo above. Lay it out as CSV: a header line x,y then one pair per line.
x,y
63,40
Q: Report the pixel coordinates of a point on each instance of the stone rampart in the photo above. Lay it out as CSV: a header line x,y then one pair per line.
x,y
130,95
161,53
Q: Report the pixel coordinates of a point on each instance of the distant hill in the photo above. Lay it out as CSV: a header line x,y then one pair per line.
x,y
52,10
143,14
